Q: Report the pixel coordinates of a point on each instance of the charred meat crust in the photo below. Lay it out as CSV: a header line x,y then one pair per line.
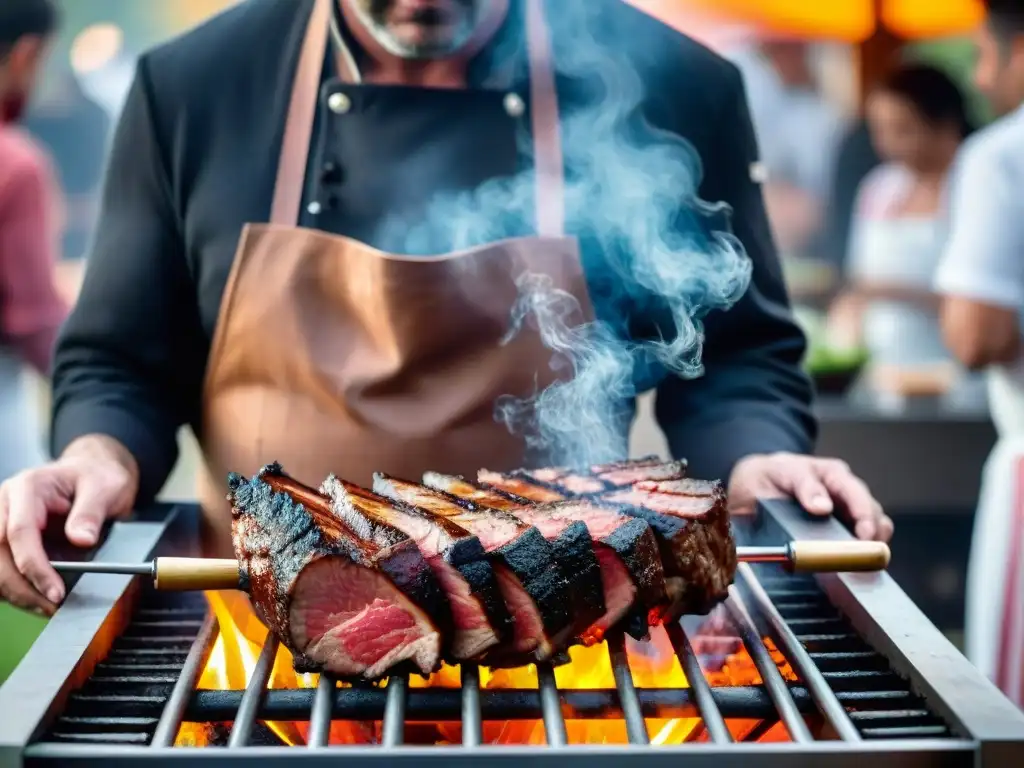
x,y
304,528
261,517
687,554
699,550
573,556
531,559
463,552
574,553
635,544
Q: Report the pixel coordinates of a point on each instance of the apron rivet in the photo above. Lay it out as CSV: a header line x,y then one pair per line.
x,y
339,103
314,208
514,105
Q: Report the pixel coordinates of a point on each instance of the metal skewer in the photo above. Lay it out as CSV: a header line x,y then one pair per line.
x,y
179,574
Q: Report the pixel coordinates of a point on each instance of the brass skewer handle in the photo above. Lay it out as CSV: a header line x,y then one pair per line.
x,y
838,556
183,574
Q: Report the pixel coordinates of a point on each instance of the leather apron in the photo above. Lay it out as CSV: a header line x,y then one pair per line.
x,y
331,356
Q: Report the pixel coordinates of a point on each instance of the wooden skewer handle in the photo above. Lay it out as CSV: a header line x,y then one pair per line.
x,y
838,556
186,574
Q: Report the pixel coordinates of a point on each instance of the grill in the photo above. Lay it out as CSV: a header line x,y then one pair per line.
x,y
847,669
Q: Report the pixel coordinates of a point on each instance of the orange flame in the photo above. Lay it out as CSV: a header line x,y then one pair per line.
x,y
653,665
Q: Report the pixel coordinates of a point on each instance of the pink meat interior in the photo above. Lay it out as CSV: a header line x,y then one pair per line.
x,y
685,487
473,632
619,592
666,503
355,621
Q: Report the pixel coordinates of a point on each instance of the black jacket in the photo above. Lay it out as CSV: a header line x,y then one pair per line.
x,y
194,158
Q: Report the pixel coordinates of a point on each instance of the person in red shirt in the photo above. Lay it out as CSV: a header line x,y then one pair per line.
x,y
31,309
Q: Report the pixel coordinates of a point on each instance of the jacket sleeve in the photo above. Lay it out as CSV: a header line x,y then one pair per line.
x,y
124,366
753,396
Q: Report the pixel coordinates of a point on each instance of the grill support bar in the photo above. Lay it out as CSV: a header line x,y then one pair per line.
x,y
702,695
773,680
636,728
551,707
174,711
797,655
472,725
241,730
320,712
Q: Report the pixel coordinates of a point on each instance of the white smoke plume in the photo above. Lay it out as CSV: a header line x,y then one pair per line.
x,y
650,247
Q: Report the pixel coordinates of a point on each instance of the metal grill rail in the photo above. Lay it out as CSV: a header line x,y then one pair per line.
x,y
145,688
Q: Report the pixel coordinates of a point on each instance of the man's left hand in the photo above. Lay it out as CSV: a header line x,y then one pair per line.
x,y
819,485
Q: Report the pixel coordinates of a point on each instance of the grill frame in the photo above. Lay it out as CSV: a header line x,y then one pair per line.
x,y
988,730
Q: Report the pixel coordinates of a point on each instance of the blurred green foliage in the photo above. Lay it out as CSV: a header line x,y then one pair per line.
x,y
18,630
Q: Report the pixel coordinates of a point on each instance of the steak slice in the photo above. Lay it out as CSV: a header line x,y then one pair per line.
x,y
519,484
625,473
570,540
352,606
458,560
533,587
699,548
632,577
689,519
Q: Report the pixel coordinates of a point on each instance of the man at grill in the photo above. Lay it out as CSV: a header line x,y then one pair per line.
x,y
255,274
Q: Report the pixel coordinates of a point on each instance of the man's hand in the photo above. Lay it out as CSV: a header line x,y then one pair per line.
x,y
817,484
94,480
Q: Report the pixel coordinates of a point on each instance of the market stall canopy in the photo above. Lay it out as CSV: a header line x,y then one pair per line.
x,y
848,20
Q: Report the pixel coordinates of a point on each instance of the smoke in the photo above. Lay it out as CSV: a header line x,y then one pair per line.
x,y
657,258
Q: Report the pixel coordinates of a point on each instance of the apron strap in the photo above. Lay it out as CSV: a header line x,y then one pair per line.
x,y
547,136
548,159
298,127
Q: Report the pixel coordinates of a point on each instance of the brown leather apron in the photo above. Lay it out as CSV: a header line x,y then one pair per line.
x,y
332,356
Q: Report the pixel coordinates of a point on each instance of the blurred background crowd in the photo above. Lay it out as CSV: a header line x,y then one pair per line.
x,y
862,111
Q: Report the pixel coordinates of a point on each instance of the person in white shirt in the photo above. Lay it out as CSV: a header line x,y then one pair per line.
x,y
982,279
918,119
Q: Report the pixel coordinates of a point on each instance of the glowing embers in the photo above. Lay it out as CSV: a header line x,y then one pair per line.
x,y
590,699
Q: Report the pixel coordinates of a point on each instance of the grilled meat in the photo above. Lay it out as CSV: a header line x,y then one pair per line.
x,y
705,548
480,619
624,473
533,586
343,601
688,517
632,576
570,539
519,484
602,477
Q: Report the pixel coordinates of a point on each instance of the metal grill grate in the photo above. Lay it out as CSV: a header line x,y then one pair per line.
x,y
145,688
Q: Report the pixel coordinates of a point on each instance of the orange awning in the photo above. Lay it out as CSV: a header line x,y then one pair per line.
x,y
848,20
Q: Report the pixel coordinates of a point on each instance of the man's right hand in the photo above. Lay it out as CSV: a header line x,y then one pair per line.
x,y
95,479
